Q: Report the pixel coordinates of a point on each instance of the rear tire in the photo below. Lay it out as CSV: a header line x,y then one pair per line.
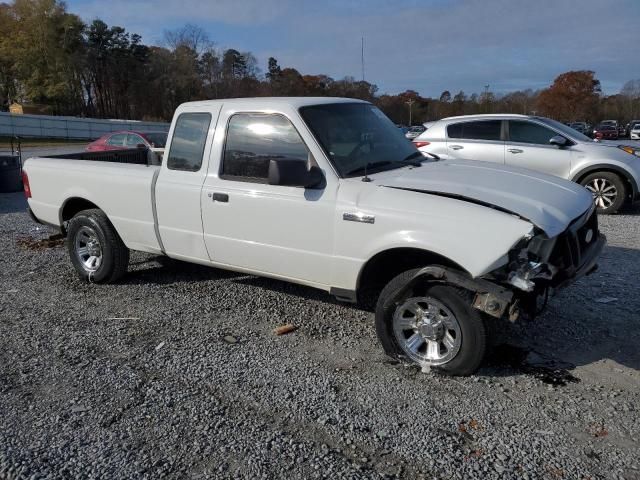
x,y
96,250
608,189
446,334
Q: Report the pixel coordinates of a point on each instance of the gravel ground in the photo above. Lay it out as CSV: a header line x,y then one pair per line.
x,y
176,372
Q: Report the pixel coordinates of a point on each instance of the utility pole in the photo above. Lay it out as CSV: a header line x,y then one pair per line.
x,y
486,96
362,58
410,102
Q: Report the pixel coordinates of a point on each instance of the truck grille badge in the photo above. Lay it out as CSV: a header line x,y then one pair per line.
x,y
359,217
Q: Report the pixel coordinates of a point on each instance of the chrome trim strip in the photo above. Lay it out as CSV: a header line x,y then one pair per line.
x,y
358,217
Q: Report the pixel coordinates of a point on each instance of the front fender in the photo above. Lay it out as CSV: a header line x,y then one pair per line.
x,y
476,237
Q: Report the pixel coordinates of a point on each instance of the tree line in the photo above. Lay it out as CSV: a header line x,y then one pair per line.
x,y
50,57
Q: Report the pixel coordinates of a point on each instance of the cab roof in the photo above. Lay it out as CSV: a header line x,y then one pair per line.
x,y
273,102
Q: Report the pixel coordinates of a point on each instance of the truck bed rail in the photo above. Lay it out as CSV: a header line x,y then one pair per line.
x,y
136,156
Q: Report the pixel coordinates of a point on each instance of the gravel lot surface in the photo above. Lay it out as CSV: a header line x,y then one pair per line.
x,y
176,372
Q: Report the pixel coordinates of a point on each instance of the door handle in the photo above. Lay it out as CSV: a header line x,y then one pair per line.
x,y
514,150
456,147
220,197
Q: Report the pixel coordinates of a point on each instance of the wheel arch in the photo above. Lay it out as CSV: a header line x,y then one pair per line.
x,y
387,264
607,167
71,207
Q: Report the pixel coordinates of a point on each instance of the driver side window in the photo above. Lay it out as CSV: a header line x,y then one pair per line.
x,y
253,139
529,132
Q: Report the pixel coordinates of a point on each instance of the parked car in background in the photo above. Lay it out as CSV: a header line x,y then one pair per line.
x,y
414,131
403,129
581,127
427,126
630,126
634,133
622,131
326,193
606,132
611,172
154,141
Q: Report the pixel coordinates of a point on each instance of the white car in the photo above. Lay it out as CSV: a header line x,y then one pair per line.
x,y
634,133
328,193
610,171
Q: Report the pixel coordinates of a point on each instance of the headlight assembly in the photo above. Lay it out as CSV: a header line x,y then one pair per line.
x,y
630,150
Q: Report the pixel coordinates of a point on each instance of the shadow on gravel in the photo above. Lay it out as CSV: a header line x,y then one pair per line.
x,y
578,328
505,360
12,203
595,320
164,271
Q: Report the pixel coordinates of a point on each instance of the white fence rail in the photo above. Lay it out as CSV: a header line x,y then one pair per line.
x,y
47,126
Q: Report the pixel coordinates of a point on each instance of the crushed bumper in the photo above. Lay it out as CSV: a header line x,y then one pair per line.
x,y
589,262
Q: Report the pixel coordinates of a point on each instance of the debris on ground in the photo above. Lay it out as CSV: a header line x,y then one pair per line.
x,y
284,329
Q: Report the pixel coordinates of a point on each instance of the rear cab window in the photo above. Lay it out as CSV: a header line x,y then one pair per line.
x,y
188,142
476,130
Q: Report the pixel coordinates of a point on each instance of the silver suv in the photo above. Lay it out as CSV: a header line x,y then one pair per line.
x,y
611,172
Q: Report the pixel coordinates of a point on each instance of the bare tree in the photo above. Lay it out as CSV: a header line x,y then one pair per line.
x,y
191,36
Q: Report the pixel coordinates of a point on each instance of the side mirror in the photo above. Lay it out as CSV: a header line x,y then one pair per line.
x,y
292,172
141,145
559,141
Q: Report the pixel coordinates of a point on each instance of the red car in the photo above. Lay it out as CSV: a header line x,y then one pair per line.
x,y
606,132
128,139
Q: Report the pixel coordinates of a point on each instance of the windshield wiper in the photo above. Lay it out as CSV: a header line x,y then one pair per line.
x,y
367,166
415,163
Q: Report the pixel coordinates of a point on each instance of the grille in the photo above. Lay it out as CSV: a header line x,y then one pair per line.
x,y
573,242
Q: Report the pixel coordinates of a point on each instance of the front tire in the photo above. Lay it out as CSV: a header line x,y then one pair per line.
x,y
433,326
96,250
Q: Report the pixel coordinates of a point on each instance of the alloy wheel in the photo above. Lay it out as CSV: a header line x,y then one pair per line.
x,y
88,249
604,192
427,331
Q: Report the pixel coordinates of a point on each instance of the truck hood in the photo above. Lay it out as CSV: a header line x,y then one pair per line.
x,y
550,203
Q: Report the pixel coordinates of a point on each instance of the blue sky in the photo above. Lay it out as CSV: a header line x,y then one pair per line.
x,y
424,45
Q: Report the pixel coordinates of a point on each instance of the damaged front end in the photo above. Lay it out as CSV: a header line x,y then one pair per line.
x,y
536,265
539,264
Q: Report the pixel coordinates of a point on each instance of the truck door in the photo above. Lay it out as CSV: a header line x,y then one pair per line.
x,y
248,224
179,184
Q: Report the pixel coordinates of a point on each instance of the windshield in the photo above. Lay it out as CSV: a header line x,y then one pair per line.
x,y
566,130
358,135
159,139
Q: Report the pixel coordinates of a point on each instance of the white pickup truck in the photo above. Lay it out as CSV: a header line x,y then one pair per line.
x,y
328,193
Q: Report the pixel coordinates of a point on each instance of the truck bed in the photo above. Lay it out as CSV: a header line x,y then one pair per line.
x,y
120,183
